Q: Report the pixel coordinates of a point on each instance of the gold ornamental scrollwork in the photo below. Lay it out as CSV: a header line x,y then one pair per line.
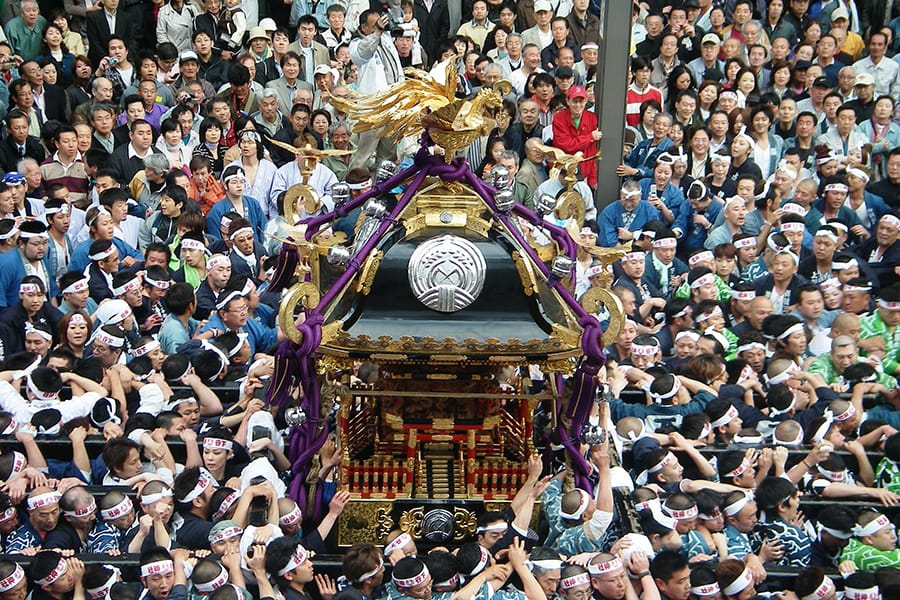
x,y
364,521
411,521
304,293
526,273
591,302
465,523
367,272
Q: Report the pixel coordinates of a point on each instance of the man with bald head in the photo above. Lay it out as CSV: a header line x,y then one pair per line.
x,y
290,517
79,529
760,308
42,506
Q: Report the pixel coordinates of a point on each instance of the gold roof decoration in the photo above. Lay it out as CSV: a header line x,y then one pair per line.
x,y
427,102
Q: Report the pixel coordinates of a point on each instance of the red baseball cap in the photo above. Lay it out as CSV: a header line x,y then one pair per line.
x,y
577,91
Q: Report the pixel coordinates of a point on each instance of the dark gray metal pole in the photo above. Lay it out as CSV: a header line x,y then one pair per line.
x,y
609,95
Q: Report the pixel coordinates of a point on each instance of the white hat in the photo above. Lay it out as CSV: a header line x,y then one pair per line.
x,y
268,24
112,312
839,13
542,5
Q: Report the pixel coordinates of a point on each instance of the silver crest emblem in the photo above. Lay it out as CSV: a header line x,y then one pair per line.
x,y
446,274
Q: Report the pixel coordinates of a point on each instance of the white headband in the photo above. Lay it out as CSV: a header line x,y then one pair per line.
x,y
575,580
374,572
857,172
149,499
293,516
122,508
85,511
872,593
584,500
103,254
58,571
42,500
745,243
226,504
825,589
29,328
710,589
217,260
147,348
836,187
203,483
667,242
602,568
667,460
241,231
214,443
190,244
217,582
412,581
397,543
707,279
891,220
706,255
132,284
793,226
13,579
716,311
682,515
737,506
159,567
798,439
744,580
641,350
743,295
226,534
795,328
872,527
783,376
299,557
77,286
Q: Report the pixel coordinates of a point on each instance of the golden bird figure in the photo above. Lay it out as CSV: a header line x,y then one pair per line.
x,y
427,102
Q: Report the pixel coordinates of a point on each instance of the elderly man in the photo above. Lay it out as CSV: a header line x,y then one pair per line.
x,y
42,505
864,88
25,32
844,353
79,529
269,117
620,219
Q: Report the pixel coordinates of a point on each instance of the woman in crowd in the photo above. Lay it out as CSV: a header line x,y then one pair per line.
x,y
54,48
259,171
74,332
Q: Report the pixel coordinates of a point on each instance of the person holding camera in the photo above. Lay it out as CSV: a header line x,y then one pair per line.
x,y
376,57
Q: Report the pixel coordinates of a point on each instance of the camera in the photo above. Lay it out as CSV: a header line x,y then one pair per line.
x,y
259,506
112,61
186,99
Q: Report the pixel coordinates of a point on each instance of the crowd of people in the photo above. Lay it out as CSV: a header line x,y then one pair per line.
x,y
141,212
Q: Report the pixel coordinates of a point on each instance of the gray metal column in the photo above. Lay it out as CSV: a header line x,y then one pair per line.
x,y
609,94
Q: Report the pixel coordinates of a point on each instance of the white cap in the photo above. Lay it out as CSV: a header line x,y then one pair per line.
x,y
542,5
268,24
